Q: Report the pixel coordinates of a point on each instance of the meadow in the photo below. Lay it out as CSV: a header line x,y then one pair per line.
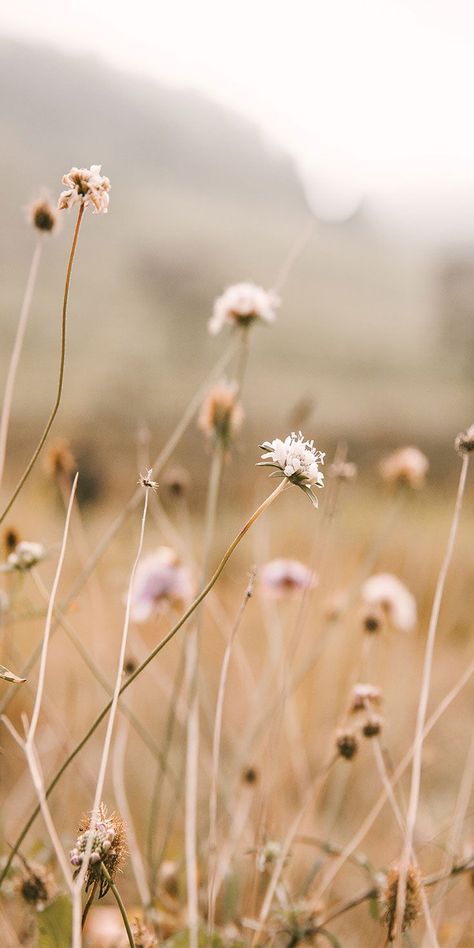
x,y
235,710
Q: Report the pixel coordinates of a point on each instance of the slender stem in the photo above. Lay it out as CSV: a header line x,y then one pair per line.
x,y
118,777
423,701
88,904
100,717
62,359
118,899
16,352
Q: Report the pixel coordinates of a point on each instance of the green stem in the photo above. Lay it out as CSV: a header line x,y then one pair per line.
x,y
202,595
118,899
62,359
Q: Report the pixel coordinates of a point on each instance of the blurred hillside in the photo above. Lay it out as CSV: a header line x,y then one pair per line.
x,y
199,200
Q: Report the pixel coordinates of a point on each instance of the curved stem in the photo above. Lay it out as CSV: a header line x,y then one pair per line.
x,y
16,352
202,595
121,906
88,904
62,358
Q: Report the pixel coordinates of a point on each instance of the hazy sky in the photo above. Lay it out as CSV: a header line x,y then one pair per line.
x,y
374,97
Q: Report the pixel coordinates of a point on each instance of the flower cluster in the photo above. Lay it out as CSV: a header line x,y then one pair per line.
x,y
296,459
282,578
390,595
108,848
25,555
241,305
85,186
161,582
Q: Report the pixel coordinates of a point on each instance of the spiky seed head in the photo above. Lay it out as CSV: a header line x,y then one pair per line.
x,y
372,726
347,744
108,848
44,216
464,442
412,900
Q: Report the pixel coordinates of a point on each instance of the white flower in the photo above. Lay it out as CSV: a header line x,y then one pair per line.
x,y
160,582
406,466
297,460
363,694
282,577
393,597
85,186
25,556
241,304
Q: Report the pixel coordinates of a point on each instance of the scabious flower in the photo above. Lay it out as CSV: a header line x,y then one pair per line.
x,y
221,414
464,442
296,459
364,695
241,305
412,900
407,466
85,186
108,848
396,601
44,216
36,885
347,744
161,582
282,578
25,555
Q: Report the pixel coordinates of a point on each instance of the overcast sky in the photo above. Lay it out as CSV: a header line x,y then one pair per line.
x,y
374,97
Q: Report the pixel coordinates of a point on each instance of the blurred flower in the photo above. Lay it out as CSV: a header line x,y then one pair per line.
x,y
11,539
297,460
177,481
169,877
464,442
268,854
412,900
343,470
108,848
405,466
372,619
36,885
59,458
160,582
221,413
25,555
282,578
346,744
44,216
396,601
372,726
85,186
241,305
145,480
364,695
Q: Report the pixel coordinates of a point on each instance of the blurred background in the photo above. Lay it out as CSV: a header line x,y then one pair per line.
x,y
234,136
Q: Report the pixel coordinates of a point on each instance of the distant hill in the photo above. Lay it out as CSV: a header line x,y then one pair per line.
x,y
199,199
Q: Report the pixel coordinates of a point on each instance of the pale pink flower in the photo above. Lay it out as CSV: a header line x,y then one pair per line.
x,y
161,582
85,186
364,695
405,466
393,597
296,459
281,578
243,304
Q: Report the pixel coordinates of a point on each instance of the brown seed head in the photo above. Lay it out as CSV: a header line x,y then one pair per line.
x,y
108,848
372,727
464,442
11,539
372,619
221,414
250,776
347,744
44,216
36,885
412,900
59,459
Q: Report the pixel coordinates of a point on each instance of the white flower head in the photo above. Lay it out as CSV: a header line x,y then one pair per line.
x,y
25,555
284,578
364,695
296,459
393,597
85,186
161,582
407,466
243,304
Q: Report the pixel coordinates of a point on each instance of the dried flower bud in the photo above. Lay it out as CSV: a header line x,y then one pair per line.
x,y
59,459
44,216
250,776
85,186
36,885
108,848
372,619
130,665
221,414
372,727
364,696
11,539
347,744
412,900
464,443
407,466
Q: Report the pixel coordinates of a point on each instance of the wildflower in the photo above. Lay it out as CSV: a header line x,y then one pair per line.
x,y
464,442
145,480
268,854
44,216
335,605
177,481
36,885
390,595
342,470
282,578
59,459
407,466
25,555
297,460
85,186
412,900
241,305
221,414
160,582
364,695
108,848
346,744
372,726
